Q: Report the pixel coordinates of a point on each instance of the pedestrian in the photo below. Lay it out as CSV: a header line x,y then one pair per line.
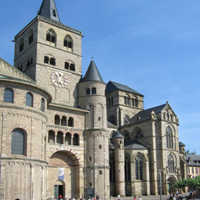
x,y
134,198
140,198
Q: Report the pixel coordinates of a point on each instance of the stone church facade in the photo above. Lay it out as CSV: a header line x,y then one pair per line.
x,y
67,134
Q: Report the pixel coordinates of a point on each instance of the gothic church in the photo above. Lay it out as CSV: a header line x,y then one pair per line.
x,y
64,134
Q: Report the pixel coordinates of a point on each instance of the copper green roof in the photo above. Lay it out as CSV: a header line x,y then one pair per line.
x,y
48,10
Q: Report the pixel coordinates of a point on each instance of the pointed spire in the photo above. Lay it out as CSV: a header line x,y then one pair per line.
x,y
48,10
92,73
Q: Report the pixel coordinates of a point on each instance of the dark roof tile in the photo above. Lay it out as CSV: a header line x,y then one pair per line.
x,y
48,10
113,86
92,73
146,114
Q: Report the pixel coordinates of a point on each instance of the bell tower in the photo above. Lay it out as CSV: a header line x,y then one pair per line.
x,y
51,54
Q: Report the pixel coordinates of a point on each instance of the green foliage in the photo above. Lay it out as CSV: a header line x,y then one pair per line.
x,y
192,183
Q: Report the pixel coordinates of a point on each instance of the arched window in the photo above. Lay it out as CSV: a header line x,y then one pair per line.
x,y
18,142
29,99
127,167
76,139
57,119
8,95
52,61
64,121
139,167
71,122
60,138
94,90
68,139
169,136
51,137
68,42
42,105
21,45
171,164
51,36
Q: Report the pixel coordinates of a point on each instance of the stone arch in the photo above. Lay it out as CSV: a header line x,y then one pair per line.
x,y
76,139
170,181
51,137
51,36
68,42
68,138
171,163
69,163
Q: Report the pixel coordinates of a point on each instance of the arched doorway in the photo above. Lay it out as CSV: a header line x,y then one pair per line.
x,y
63,175
59,189
171,181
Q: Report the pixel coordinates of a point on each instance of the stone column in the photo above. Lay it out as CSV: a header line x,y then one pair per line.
x,y
147,178
64,143
119,166
56,138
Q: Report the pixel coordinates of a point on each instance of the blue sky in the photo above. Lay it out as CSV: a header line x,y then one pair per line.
x,y
151,45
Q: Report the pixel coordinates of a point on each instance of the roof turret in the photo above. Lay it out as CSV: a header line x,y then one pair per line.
x,y
48,10
92,73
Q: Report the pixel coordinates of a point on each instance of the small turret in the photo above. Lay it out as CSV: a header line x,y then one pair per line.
x,y
92,97
118,141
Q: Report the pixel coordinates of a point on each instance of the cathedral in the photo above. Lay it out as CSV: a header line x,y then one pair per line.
x,y
71,135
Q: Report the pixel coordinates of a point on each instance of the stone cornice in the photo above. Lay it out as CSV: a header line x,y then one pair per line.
x,y
23,159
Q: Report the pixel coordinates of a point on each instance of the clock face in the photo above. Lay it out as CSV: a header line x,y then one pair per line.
x,y
59,80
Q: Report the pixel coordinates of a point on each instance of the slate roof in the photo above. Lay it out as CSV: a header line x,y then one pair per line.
x,y
113,86
92,73
117,134
48,10
146,114
9,72
135,146
193,160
